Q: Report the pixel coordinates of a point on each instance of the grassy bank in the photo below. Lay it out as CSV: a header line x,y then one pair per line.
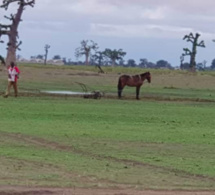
x,y
166,84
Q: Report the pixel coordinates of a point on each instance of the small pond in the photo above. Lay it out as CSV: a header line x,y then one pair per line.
x,y
66,92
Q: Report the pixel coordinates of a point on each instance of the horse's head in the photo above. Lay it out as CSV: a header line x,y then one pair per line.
x,y
148,77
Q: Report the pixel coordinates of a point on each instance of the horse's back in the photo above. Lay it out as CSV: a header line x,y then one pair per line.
x,y
124,76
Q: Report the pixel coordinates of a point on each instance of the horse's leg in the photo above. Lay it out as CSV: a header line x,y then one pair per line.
x,y
120,88
120,92
137,92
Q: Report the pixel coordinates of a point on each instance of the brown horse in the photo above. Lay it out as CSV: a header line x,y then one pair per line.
x,y
133,81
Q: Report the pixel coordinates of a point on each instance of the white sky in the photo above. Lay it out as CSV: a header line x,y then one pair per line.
x,y
151,29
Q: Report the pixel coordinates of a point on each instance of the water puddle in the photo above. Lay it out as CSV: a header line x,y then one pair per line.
x,y
66,92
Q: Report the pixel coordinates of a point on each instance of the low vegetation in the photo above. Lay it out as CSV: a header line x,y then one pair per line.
x,y
163,141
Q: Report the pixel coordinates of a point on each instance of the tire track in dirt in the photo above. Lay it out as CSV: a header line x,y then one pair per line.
x,y
57,146
21,190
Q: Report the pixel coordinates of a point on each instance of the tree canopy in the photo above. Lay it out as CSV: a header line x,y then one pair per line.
x,y
86,49
114,55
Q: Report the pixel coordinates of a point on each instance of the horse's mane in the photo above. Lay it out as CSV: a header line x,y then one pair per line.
x,y
145,73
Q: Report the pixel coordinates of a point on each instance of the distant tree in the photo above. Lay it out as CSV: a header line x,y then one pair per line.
x,y
143,63
18,57
121,62
204,64
69,61
213,61
181,61
11,30
131,63
80,63
56,57
192,53
213,64
64,60
200,66
151,65
114,55
39,56
185,66
47,47
98,58
33,57
86,49
163,64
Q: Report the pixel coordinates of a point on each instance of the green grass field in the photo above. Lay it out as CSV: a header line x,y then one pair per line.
x,y
75,142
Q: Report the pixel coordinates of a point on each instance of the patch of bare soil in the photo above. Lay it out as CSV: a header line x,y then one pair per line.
x,y
12,190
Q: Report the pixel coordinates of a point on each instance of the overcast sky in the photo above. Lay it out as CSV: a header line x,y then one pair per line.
x,y
151,29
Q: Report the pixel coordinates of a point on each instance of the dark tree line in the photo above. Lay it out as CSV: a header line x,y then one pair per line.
x,y
114,57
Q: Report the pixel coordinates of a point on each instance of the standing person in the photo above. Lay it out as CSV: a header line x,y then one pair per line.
x,y
13,75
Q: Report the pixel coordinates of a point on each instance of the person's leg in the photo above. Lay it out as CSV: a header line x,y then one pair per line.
x,y
8,88
15,88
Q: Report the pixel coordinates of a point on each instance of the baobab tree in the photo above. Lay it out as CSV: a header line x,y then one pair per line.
x,y
46,52
194,40
86,49
11,30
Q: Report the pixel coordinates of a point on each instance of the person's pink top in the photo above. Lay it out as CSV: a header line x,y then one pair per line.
x,y
13,73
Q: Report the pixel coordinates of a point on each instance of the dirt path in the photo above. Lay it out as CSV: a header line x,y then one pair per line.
x,y
10,190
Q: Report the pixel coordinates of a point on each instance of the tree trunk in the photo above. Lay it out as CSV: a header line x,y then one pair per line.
x,y
193,54
192,62
87,59
45,61
11,56
46,55
113,62
12,35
